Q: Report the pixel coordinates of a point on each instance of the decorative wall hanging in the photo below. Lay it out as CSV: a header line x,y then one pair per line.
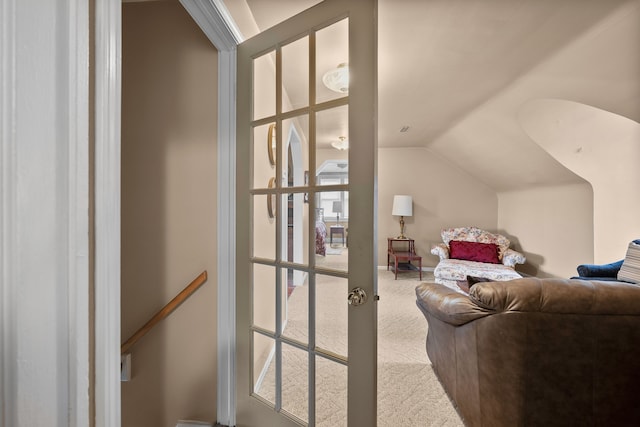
x,y
271,199
271,144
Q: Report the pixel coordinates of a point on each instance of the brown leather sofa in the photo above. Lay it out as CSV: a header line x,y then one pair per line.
x,y
537,352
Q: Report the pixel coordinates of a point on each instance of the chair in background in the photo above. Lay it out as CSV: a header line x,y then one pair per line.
x,y
471,251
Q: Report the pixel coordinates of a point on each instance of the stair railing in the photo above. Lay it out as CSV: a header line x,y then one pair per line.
x,y
165,311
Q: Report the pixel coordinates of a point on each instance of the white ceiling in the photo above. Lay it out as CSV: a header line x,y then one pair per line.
x,y
457,72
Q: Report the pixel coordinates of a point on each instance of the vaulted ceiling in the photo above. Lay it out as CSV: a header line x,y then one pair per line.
x,y
458,73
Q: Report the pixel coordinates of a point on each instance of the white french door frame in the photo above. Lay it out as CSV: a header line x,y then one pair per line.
x,y
362,272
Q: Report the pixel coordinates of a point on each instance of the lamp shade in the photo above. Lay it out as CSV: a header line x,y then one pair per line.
x,y
402,206
337,207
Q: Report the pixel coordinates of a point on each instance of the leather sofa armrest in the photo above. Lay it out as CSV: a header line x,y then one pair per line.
x,y
447,304
441,250
511,258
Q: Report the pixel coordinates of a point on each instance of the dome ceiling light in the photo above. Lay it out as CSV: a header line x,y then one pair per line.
x,y
338,79
343,144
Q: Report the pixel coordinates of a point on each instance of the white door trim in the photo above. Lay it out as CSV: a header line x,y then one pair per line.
x,y
362,320
108,80
44,213
216,22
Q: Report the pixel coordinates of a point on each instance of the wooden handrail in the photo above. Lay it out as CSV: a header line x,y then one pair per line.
x,y
165,311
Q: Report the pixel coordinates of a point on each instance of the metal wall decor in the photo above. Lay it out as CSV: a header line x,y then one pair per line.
x,y
271,199
271,144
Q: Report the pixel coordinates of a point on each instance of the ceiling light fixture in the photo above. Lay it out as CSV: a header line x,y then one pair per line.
x,y
338,79
343,144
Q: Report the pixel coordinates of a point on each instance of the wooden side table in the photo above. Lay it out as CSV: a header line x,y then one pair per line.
x,y
336,229
402,252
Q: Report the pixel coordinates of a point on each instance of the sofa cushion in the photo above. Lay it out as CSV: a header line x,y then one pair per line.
x,y
630,270
474,251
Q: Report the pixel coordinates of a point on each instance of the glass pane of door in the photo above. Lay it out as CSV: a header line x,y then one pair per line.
x,y
332,147
296,132
264,86
331,315
332,382
332,63
295,151
295,74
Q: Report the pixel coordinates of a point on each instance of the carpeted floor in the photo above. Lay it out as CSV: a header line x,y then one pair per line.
x,y
409,393
334,251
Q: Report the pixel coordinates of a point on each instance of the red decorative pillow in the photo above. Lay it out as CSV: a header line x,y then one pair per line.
x,y
474,251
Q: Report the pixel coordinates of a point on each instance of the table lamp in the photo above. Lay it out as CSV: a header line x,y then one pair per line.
x,y
402,206
337,208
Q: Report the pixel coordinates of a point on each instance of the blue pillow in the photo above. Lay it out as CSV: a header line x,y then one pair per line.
x,y
603,270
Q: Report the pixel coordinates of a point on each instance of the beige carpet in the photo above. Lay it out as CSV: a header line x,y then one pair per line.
x,y
409,393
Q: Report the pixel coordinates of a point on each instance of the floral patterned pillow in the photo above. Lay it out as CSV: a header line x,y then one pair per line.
x,y
475,234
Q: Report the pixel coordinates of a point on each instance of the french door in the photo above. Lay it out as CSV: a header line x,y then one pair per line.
x,y
306,215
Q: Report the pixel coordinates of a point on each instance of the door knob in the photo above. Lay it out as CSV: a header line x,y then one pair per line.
x,y
357,296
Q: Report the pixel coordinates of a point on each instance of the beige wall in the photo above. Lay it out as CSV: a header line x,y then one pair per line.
x,y
443,196
169,110
552,226
602,148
